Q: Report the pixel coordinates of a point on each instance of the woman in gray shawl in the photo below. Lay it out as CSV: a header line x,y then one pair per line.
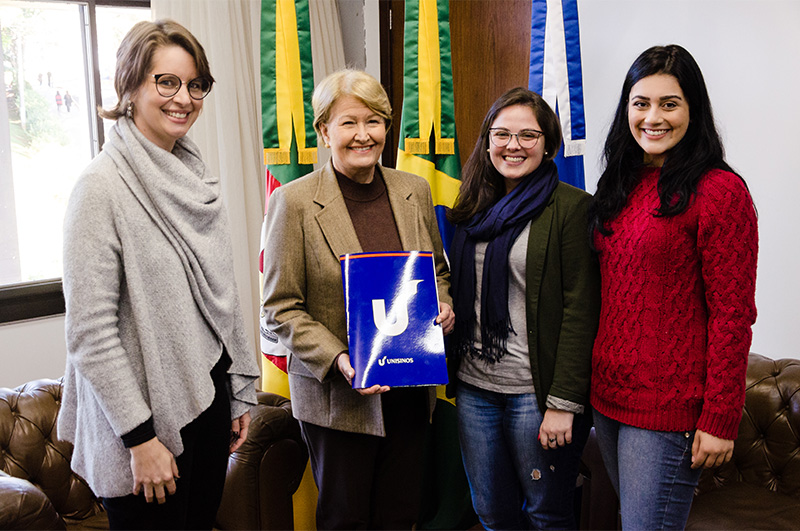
x,y
159,378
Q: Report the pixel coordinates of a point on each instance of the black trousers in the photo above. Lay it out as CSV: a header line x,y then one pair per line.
x,y
202,467
369,482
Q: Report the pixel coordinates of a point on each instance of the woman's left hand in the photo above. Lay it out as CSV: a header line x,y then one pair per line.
x,y
343,363
446,318
709,451
239,429
556,428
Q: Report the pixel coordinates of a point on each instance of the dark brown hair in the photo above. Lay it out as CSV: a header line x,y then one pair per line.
x,y
481,183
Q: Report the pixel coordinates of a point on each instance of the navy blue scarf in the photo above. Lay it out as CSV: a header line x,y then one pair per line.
x,y
500,225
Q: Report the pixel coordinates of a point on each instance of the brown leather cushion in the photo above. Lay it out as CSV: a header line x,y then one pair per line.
x,y
23,506
748,507
767,450
265,471
31,449
760,487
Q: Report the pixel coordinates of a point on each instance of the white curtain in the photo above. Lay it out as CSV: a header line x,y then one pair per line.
x,y
229,131
327,49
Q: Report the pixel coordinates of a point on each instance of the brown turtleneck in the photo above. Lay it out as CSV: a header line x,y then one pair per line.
x,y
371,213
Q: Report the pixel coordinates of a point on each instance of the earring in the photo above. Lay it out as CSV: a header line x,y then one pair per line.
x,y
327,145
129,111
546,153
488,150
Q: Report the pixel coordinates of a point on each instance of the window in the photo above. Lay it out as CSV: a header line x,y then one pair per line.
x,y
57,65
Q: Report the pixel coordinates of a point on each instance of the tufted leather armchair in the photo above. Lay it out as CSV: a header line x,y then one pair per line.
x,y
38,490
265,471
758,489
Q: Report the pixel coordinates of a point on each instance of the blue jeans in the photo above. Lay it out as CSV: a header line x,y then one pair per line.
x,y
514,483
651,472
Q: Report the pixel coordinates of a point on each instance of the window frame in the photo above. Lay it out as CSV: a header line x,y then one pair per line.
x,y
45,298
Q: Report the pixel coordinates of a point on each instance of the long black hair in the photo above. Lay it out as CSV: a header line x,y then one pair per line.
x,y
481,183
699,151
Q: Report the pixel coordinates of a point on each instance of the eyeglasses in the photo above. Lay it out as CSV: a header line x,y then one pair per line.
x,y
169,84
527,138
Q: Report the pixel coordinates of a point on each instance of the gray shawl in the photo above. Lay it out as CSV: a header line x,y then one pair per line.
x,y
183,198
151,301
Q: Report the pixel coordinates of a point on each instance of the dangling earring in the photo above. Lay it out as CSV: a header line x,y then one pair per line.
x,y
129,111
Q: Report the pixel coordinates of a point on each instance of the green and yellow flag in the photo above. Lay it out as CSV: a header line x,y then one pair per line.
x,y
428,144
428,148
290,150
287,82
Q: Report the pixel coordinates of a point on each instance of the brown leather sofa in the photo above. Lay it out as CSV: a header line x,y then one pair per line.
x,y
38,490
758,489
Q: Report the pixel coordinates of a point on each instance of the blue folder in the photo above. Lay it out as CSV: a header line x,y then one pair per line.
x,y
392,303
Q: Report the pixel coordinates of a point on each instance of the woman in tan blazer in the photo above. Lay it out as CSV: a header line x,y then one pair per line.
x,y
365,445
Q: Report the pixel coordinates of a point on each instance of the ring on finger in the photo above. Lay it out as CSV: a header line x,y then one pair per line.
x,y
553,439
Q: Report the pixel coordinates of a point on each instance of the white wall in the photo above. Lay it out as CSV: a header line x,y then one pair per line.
x,y
748,51
31,350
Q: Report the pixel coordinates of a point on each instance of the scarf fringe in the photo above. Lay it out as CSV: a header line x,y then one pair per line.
x,y
494,339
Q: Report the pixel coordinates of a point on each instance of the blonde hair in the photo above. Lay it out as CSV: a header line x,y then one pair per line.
x,y
349,82
135,58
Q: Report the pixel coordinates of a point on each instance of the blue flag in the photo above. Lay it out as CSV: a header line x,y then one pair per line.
x,y
555,73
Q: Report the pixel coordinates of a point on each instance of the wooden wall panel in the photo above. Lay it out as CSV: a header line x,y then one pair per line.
x,y
490,46
490,42
392,14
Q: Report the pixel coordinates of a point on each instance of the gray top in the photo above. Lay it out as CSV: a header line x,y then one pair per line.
x,y
151,301
512,373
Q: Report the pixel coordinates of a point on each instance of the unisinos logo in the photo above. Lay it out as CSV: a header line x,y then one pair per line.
x,y
384,360
396,322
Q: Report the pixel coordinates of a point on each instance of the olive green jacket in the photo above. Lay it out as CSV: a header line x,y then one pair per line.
x,y
562,284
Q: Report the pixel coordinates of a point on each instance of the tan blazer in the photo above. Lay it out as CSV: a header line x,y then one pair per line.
x,y
308,227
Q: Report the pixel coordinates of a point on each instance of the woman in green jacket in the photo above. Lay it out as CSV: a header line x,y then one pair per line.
x,y
526,294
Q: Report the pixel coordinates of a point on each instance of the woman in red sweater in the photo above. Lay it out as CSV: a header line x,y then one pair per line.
x,y
675,231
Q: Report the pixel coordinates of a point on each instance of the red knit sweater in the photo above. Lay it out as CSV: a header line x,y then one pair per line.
x,y
678,301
